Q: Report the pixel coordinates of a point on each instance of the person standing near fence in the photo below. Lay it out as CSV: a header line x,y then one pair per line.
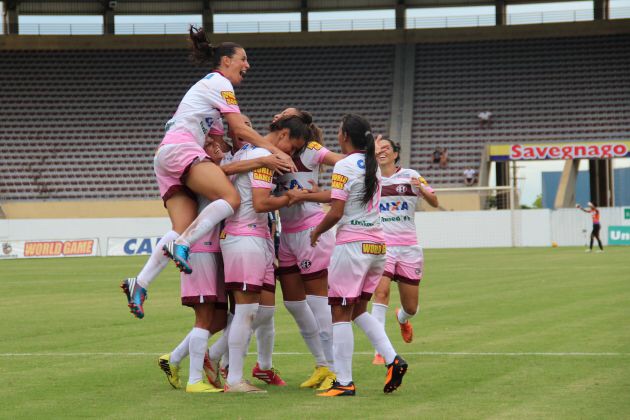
x,y
594,211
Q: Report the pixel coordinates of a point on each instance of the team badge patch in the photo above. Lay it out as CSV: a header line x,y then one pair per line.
x,y
229,97
305,264
401,189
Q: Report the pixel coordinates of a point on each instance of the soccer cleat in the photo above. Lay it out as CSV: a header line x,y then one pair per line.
x,y
202,387
244,387
179,254
171,371
378,360
136,295
338,390
319,374
211,369
395,372
327,383
269,376
406,330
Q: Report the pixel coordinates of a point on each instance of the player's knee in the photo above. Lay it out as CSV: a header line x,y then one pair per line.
x,y
411,310
381,296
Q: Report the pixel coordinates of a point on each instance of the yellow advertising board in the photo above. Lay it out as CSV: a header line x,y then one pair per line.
x,y
565,150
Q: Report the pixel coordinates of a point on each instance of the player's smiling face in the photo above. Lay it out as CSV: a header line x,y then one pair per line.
x,y
235,67
385,153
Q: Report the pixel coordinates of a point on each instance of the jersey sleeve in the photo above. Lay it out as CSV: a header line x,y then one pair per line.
x,y
315,153
260,177
341,181
223,97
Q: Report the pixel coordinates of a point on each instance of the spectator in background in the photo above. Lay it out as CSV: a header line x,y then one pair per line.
x,y
444,158
485,119
470,176
436,156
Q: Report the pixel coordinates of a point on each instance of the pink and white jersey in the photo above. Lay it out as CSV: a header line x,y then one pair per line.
x,y
304,215
210,241
398,207
359,222
200,110
245,221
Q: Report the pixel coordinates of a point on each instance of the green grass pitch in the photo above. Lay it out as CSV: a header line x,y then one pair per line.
x,y
502,333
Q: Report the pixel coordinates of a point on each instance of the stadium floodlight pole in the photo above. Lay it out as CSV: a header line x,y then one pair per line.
x,y
512,206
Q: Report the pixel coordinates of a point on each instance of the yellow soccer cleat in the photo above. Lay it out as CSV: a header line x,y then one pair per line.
x,y
316,379
327,383
171,371
202,387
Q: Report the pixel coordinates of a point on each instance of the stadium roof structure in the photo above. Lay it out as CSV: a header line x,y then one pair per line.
x,y
139,7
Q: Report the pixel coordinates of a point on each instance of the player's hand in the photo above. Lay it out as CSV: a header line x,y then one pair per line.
x,y
314,187
296,195
286,159
276,164
314,238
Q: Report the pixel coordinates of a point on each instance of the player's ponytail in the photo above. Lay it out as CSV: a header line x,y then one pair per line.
x,y
203,52
360,133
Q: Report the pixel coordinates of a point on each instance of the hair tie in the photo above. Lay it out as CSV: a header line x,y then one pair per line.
x,y
367,133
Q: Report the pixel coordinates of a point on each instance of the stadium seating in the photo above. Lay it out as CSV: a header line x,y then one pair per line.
x,y
537,90
85,124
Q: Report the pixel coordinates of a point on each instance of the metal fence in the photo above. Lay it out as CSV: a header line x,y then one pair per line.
x,y
320,25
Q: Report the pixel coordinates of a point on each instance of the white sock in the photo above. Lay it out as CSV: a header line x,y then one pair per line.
x,y
197,347
376,334
321,310
208,218
220,347
180,351
404,316
309,329
265,334
343,347
379,311
240,331
156,262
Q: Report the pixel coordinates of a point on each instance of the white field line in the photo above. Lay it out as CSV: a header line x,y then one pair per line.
x,y
418,353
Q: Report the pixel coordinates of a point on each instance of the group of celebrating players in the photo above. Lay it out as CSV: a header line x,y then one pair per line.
x,y
218,193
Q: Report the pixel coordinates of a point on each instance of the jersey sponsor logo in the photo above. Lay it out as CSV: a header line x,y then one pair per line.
x,y
338,181
393,206
313,145
573,151
423,181
223,235
229,97
361,163
263,174
373,249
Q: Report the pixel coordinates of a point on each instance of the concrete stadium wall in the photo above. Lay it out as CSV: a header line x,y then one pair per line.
x,y
465,229
81,209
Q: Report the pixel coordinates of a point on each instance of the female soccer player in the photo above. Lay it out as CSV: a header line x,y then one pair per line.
x,y
248,256
359,256
400,191
303,270
181,165
594,211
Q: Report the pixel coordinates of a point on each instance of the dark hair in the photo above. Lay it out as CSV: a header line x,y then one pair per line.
x,y
360,133
299,128
203,52
317,134
395,147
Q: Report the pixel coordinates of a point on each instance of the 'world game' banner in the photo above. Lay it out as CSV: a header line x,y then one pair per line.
x,y
50,249
559,151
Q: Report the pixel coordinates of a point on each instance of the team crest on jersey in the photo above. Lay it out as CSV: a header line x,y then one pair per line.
x,y
229,97
313,145
401,189
263,174
305,264
338,181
